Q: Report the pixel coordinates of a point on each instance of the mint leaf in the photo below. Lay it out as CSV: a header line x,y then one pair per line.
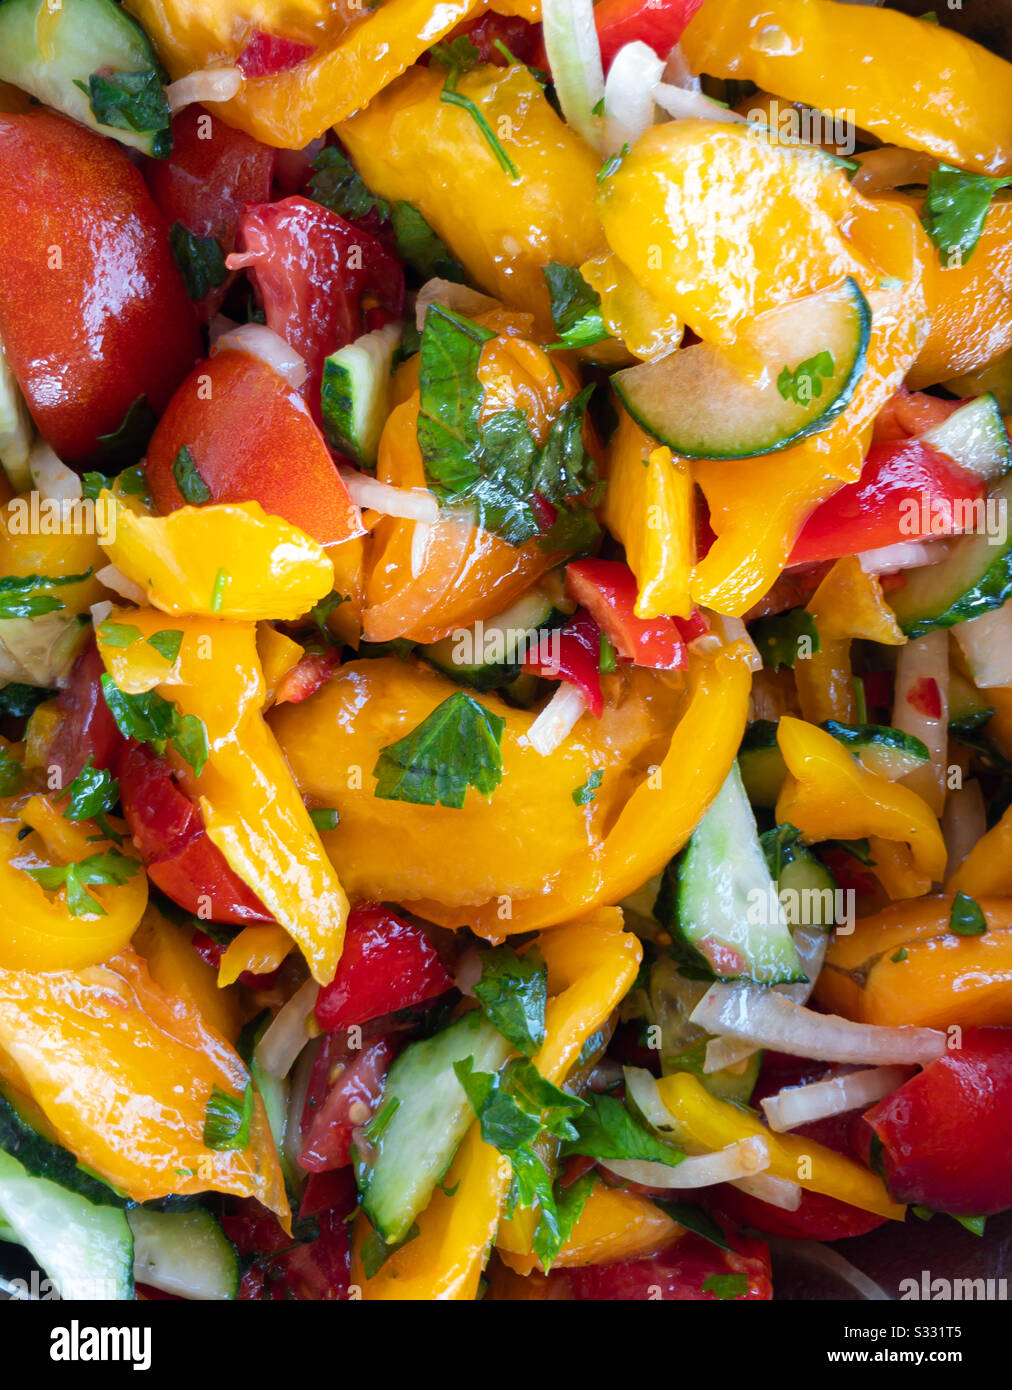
x,y
456,747
726,1286
513,993
131,101
417,244
110,867
778,638
337,185
693,1219
199,259
607,1130
569,1203
576,308
93,792
150,718
584,795
166,643
118,634
966,918
805,383
195,491
228,1120
955,210
451,397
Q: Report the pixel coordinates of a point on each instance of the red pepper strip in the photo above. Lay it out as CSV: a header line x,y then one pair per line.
x,y
349,1101
579,660
386,964
659,23
906,491
607,589
306,677
268,54
695,625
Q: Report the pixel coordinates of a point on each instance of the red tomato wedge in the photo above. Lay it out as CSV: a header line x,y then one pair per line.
x,y
607,589
680,1272
386,964
265,55
86,728
344,1093
251,438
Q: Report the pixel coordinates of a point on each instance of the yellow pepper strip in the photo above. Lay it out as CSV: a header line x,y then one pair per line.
x,y
847,604
648,506
26,547
123,1072
904,966
986,872
893,866
356,57
251,807
589,970
226,560
411,145
831,796
908,82
259,948
707,1123
39,931
614,1225
278,655
176,968
630,313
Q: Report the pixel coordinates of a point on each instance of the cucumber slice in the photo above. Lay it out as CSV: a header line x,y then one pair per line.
x,y
184,1253
432,1116
43,1158
355,393
888,752
490,654
974,578
986,644
86,1250
968,709
974,436
808,890
16,432
701,406
761,763
719,898
48,53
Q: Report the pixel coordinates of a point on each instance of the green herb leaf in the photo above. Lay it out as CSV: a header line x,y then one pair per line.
x,y
726,1286
228,1120
337,185
459,53
966,918
128,442
549,1238
805,382
899,956
221,583
11,773
611,164
93,792
452,97
325,818
606,663
513,992
110,867
582,796
779,638
451,397
166,643
118,634
417,244
693,1219
321,611
576,308
456,747
974,1224
199,259
195,491
607,1130
955,210
377,1125
129,101
19,597
150,718
17,701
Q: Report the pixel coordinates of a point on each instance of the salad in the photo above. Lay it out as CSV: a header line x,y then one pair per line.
x,y
505,644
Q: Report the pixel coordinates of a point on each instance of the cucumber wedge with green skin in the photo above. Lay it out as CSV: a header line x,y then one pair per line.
x,y
974,578
355,393
184,1253
968,708
717,895
702,406
86,1250
974,436
431,1117
44,1158
761,763
16,431
888,752
499,643
808,890
85,37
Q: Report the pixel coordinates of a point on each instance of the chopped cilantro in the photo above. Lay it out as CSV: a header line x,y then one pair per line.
x,y
513,992
726,1286
955,210
228,1120
582,796
93,792
150,718
325,818
110,867
966,918
455,747
167,643
195,491
199,259
132,101
19,596
118,634
805,382
606,1129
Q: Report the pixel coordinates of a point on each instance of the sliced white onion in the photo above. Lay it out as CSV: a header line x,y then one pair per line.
x,y
678,102
51,477
628,100
823,1257
925,659
298,1090
777,1192
257,340
964,822
904,555
555,722
574,56
741,1160
220,325
801,1105
986,642
287,1034
113,578
207,84
409,503
733,631
678,73
761,1016
100,611
460,298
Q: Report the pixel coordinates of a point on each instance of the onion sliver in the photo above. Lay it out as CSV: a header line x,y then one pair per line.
x,y
460,298
986,642
923,665
113,578
628,95
823,1257
741,1160
207,84
964,822
51,476
574,57
763,1017
677,102
287,1034
555,722
409,503
777,1192
801,1105
904,555
257,340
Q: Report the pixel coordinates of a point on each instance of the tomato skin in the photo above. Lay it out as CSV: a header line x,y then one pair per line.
x,y
818,1217
306,677
169,833
265,55
113,322
252,439
387,964
659,23
678,1272
328,1129
87,728
870,513
314,270
944,1134
522,38
607,589
317,1270
579,660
